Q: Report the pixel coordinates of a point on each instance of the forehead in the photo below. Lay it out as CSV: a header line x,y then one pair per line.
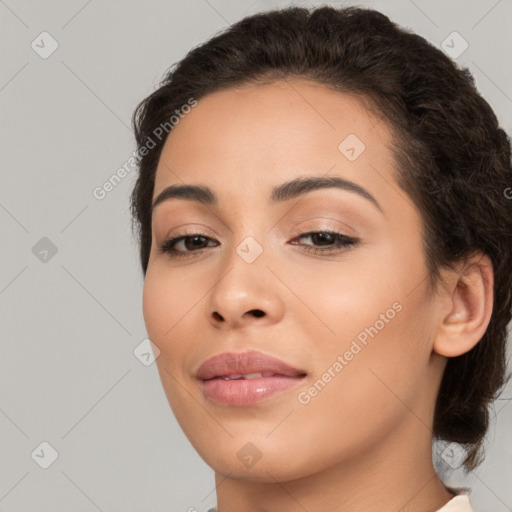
x,y
240,138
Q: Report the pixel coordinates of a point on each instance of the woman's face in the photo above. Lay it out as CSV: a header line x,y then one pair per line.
x,y
354,321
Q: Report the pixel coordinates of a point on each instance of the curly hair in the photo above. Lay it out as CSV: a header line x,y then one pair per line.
x,y
452,157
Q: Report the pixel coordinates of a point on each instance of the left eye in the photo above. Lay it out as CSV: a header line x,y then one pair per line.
x,y
196,243
336,242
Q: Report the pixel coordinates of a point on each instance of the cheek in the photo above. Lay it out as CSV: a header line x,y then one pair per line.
x,y
357,400
373,311
170,303
169,300
345,298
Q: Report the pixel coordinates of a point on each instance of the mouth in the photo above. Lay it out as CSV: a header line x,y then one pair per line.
x,y
247,378
257,375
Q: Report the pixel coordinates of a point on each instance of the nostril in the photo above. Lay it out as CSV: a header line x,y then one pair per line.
x,y
257,312
217,316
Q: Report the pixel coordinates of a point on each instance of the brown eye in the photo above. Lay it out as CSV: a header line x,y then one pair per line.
x,y
193,243
327,242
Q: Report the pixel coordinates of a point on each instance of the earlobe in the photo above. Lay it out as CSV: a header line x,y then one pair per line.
x,y
466,311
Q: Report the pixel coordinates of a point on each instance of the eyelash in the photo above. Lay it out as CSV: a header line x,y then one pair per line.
x,y
341,242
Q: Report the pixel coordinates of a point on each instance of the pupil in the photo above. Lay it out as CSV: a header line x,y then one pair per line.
x,y
325,237
190,243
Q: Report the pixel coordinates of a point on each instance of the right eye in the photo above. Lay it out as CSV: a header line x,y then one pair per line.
x,y
189,243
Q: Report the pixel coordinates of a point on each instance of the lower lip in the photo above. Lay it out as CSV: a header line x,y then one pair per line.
x,y
243,392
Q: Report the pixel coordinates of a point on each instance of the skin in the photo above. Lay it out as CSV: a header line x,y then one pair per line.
x,y
364,441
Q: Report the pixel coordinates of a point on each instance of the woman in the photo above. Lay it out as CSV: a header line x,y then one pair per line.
x,y
325,238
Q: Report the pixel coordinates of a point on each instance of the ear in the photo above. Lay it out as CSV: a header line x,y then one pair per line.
x,y
465,310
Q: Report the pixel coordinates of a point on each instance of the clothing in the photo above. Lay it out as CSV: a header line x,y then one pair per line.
x,y
460,503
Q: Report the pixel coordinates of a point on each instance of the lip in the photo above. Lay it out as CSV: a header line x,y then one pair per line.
x,y
243,392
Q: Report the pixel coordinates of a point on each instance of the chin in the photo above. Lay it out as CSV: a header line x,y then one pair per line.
x,y
256,460
275,468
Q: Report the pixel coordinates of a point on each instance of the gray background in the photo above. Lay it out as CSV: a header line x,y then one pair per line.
x,y
71,320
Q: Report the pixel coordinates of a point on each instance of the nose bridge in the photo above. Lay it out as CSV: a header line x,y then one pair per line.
x,y
242,292
247,238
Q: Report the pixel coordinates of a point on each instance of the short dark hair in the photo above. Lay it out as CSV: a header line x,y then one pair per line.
x,y
452,157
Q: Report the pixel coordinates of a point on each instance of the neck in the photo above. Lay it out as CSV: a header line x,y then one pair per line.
x,y
395,475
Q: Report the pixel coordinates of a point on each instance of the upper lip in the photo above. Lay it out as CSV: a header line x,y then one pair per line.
x,y
253,361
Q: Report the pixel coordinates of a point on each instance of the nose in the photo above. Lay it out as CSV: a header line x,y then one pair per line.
x,y
245,294
257,313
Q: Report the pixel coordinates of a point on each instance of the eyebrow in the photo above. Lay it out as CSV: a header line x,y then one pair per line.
x,y
284,192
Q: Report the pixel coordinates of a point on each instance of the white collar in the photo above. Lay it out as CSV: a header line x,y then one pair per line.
x,y
459,503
